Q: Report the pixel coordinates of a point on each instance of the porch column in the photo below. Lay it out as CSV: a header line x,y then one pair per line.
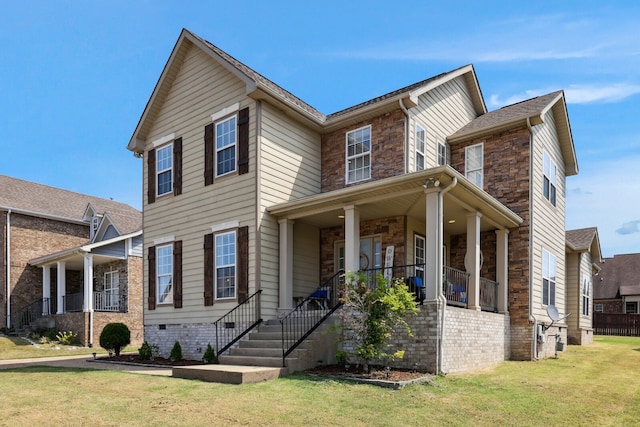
x,y
61,285
286,263
87,305
472,260
433,245
351,238
502,270
46,290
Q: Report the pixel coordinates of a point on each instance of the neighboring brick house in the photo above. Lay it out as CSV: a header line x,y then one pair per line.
x,y
583,258
251,190
617,286
68,260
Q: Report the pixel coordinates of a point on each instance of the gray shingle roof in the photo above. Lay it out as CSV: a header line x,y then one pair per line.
x,y
618,276
38,199
581,240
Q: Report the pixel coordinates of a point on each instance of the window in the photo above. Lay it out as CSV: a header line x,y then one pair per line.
x,y
164,170
550,172
225,265
359,154
631,307
111,289
586,298
474,163
226,146
419,255
548,278
599,308
442,153
370,254
421,137
164,273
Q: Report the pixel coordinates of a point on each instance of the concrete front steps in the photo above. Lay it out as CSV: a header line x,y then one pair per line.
x,y
259,356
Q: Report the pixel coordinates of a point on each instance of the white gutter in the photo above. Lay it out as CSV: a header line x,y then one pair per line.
x,y
43,215
532,318
441,297
8,267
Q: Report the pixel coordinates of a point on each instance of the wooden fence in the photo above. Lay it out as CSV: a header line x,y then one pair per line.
x,y
625,325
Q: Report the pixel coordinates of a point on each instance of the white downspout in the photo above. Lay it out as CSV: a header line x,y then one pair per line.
x,y
8,267
532,318
441,297
407,129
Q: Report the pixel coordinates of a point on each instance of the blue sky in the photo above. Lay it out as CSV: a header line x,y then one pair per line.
x,y
76,76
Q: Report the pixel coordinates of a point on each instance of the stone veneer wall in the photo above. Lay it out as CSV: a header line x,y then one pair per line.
x,y
387,150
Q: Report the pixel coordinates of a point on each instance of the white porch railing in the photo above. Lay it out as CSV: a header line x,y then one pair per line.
x,y
107,301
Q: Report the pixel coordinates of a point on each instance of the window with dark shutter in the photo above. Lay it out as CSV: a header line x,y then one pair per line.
x,y
177,274
152,278
177,166
243,263
151,176
243,141
209,154
208,269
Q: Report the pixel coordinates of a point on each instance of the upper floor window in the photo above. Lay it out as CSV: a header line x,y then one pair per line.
x,y
164,273
548,278
421,137
550,172
111,289
442,153
226,146
419,256
164,170
359,154
474,163
225,265
586,297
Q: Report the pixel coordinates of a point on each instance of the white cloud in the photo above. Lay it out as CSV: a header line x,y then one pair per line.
x,y
575,94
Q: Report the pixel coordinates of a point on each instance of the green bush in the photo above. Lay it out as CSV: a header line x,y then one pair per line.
x,y
67,338
114,336
146,351
210,355
176,352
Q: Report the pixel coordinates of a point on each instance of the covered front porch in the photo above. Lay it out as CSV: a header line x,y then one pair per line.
x,y
434,228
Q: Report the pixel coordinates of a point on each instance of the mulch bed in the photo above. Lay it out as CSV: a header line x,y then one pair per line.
x,y
157,361
375,373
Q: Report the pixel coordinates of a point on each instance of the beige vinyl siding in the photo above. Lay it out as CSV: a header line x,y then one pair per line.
x,y
441,111
547,221
585,273
201,88
289,170
574,288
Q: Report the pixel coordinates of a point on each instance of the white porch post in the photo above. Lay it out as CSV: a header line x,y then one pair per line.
x,y
351,238
286,263
472,260
46,290
61,287
433,244
87,305
502,270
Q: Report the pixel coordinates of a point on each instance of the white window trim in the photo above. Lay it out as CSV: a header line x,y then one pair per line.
x,y
420,129
158,171
161,141
216,266
480,169
552,182
225,112
225,226
598,308
111,273
586,297
547,257
169,300
416,238
164,239
443,145
235,145
348,158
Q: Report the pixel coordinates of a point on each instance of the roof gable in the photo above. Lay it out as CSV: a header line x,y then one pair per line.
x,y
584,240
618,276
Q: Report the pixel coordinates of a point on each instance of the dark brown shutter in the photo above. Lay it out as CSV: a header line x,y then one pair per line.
x,y
243,263
152,278
177,166
209,154
208,269
243,141
177,274
151,176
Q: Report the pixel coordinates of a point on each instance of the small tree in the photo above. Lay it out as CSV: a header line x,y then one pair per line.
x,y
114,336
370,315
210,355
176,352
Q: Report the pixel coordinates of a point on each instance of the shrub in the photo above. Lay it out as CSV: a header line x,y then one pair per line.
x,y
210,355
147,352
114,336
67,338
176,352
342,358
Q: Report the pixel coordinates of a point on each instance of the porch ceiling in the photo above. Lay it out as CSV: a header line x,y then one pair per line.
x,y
403,195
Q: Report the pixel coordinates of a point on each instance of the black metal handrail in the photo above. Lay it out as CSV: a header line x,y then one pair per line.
x,y
25,316
305,318
238,322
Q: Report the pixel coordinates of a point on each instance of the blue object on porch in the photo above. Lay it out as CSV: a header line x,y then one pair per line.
x,y
416,285
461,291
321,297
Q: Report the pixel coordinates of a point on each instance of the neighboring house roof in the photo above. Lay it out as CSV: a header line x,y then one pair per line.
x,y
39,200
619,276
585,240
530,112
259,87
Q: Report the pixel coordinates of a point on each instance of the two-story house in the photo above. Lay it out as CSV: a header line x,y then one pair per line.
x,y
68,261
251,192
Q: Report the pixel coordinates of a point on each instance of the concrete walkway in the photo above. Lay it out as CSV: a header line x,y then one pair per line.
x,y
85,362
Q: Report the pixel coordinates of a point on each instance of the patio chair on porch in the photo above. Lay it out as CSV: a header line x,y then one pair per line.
x,y
320,298
416,285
